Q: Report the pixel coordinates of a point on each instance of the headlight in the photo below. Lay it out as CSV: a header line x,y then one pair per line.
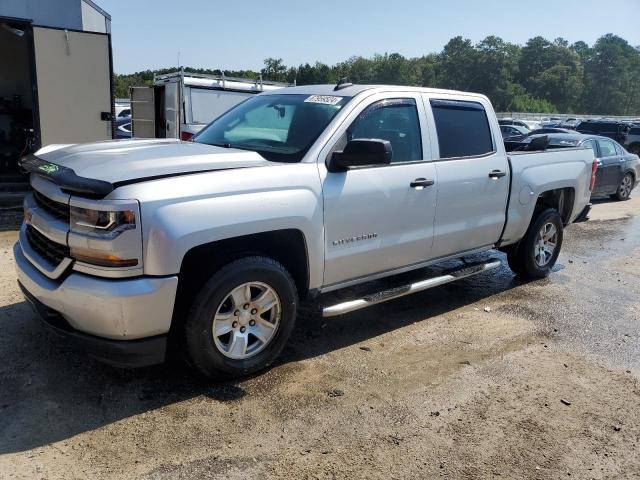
x,y
103,224
105,234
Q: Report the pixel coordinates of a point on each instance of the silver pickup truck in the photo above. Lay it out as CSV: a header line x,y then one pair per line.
x,y
215,245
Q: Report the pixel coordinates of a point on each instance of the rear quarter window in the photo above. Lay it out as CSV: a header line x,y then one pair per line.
x,y
462,127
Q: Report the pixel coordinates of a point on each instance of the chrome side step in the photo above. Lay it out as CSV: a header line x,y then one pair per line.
x,y
392,293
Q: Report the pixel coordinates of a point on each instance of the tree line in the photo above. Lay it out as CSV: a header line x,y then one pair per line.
x,y
541,76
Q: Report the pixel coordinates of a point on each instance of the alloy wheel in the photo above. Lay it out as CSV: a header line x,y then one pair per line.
x,y
546,244
246,320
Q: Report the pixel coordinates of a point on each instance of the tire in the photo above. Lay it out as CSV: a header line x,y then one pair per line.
x,y
527,260
239,352
625,186
514,259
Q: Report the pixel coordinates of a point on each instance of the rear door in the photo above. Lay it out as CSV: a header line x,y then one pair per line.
x,y
609,167
473,174
143,112
73,78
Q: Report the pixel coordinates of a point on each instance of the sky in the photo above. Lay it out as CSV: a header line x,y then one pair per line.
x,y
235,35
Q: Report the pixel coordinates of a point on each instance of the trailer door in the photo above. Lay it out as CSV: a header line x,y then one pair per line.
x,y
73,80
172,109
143,112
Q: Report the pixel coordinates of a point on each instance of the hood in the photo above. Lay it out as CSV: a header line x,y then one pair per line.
x,y
98,168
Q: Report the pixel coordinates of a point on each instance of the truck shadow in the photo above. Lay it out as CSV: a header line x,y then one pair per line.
x,y
318,335
50,393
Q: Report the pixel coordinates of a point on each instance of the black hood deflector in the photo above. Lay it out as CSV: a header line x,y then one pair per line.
x,y
69,181
65,177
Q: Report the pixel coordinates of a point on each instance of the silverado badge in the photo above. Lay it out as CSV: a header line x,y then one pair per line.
x,y
357,238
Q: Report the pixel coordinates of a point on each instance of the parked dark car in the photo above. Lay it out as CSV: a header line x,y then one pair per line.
x,y
550,121
123,127
633,139
538,131
511,130
571,123
618,170
613,129
511,121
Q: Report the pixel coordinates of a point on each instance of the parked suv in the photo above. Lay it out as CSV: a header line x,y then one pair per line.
x,y
633,140
606,128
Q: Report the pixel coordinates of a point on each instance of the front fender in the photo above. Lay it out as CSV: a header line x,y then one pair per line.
x,y
286,197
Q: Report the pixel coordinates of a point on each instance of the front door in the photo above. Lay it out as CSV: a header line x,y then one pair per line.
x,y
380,218
473,176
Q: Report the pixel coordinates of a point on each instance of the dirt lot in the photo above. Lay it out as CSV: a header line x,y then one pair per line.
x,y
489,377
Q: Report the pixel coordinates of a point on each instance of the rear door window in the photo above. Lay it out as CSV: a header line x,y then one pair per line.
x,y
618,148
462,127
606,148
395,120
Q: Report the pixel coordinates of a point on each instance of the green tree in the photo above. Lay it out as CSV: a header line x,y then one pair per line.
x,y
495,69
542,76
274,70
552,71
611,77
458,65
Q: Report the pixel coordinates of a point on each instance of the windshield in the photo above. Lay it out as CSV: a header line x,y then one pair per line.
x,y
281,128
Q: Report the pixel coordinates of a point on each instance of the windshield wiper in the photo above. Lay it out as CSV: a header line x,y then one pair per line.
x,y
223,145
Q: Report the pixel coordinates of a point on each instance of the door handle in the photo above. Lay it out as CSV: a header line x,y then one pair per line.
x,y
421,183
497,174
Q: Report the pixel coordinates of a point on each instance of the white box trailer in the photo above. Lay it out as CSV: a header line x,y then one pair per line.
x,y
180,104
55,81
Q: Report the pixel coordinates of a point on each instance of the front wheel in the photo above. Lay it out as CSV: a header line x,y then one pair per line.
x,y
241,319
537,252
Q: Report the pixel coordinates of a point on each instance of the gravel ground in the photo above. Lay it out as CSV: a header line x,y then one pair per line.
x,y
487,377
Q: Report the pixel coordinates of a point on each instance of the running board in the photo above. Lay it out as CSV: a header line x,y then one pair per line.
x,y
392,293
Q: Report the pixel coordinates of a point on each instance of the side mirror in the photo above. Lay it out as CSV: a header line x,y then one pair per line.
x,y
361,153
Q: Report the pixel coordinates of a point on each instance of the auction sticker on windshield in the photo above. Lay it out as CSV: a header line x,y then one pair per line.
x,y
324,99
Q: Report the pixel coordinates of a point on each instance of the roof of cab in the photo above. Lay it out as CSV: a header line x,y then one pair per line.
x,y
354,90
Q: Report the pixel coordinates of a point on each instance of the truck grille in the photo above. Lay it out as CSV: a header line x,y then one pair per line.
x,y
49,250
57,209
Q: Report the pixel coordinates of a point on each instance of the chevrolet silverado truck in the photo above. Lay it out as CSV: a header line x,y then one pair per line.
x,y
214,246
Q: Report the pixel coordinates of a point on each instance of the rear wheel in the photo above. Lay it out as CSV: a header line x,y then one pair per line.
x,y
624,188
537,252
241,319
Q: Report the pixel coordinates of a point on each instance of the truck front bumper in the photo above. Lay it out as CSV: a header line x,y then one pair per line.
x,y
121,322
